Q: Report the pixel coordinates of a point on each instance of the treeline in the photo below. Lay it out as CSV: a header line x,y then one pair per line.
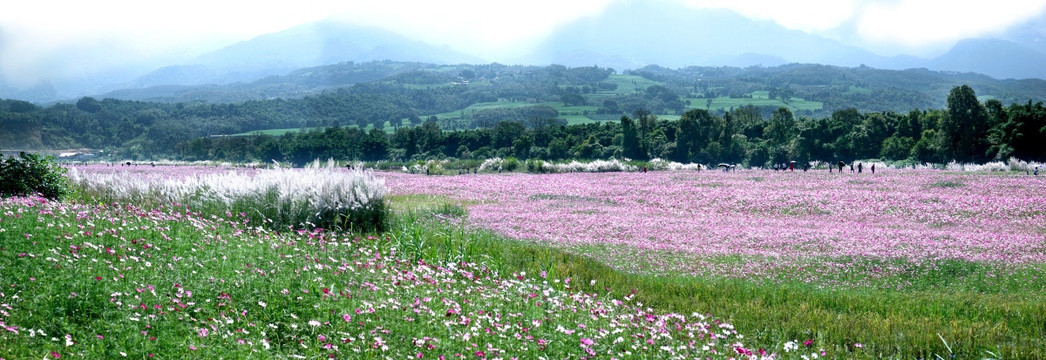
x,y
966,131
139,130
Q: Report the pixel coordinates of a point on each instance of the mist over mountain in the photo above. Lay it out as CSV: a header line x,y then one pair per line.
x,y
997,58
314,44
625,35
674,35
1031,35
636,34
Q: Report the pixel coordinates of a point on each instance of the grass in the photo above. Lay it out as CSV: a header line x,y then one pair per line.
x,y
572,114
389,129
86,270
946,184
112,281
726,103
948,307
627,84
1005,320
973,308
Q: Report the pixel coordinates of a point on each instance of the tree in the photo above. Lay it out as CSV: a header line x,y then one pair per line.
x,y
782,127
521,146
965,126
687,135
572,99
30,174
630,142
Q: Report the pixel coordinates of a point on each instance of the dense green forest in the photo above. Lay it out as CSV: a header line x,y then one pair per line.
x,y
753,116
967,131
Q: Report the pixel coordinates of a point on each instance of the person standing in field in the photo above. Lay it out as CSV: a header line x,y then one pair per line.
x,y
873,168
859,167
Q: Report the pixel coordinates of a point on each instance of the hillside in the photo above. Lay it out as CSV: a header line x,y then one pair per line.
x,y
864,88
468,97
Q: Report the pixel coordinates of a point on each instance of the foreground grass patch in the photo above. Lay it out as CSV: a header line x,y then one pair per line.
x,y
104,281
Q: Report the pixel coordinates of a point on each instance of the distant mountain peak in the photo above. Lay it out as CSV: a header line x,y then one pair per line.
x,y
994,57
313,44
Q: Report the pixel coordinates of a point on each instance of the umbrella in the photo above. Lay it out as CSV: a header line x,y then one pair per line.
x,y
841,163
724,165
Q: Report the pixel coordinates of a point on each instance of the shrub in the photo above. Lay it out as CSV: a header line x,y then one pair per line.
x,y
30,174
510,164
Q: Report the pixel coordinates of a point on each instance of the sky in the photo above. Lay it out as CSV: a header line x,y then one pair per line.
x,y
74,38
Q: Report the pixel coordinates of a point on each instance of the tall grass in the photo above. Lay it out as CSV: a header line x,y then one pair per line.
x,y
320,195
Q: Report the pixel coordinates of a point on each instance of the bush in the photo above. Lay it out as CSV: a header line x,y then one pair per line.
x,y
30,174
510,164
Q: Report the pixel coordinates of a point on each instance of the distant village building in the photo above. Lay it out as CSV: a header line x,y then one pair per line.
x,y
76,156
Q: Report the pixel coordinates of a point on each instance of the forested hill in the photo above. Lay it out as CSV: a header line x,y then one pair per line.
x,y
864,88
394,96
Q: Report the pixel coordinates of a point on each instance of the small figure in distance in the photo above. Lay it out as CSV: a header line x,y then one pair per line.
x,y
859,167
841,164
851,167
873,168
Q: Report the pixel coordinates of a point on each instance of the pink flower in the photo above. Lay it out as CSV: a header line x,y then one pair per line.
x,y
808,342
586,342
347,317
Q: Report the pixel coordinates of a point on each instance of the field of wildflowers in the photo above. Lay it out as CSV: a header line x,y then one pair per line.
x,y
113,280
667,264
123,282
834,229
905,263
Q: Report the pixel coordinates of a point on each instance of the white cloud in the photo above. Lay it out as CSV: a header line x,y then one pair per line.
x,y
473,25
33,34
805,15
914,23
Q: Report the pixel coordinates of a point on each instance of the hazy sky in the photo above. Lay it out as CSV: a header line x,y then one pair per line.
x,y
33,33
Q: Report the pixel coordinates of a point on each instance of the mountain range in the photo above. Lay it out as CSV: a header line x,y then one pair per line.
x,y
626,35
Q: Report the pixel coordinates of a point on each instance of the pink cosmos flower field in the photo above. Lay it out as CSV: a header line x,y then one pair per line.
x,y
754,223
